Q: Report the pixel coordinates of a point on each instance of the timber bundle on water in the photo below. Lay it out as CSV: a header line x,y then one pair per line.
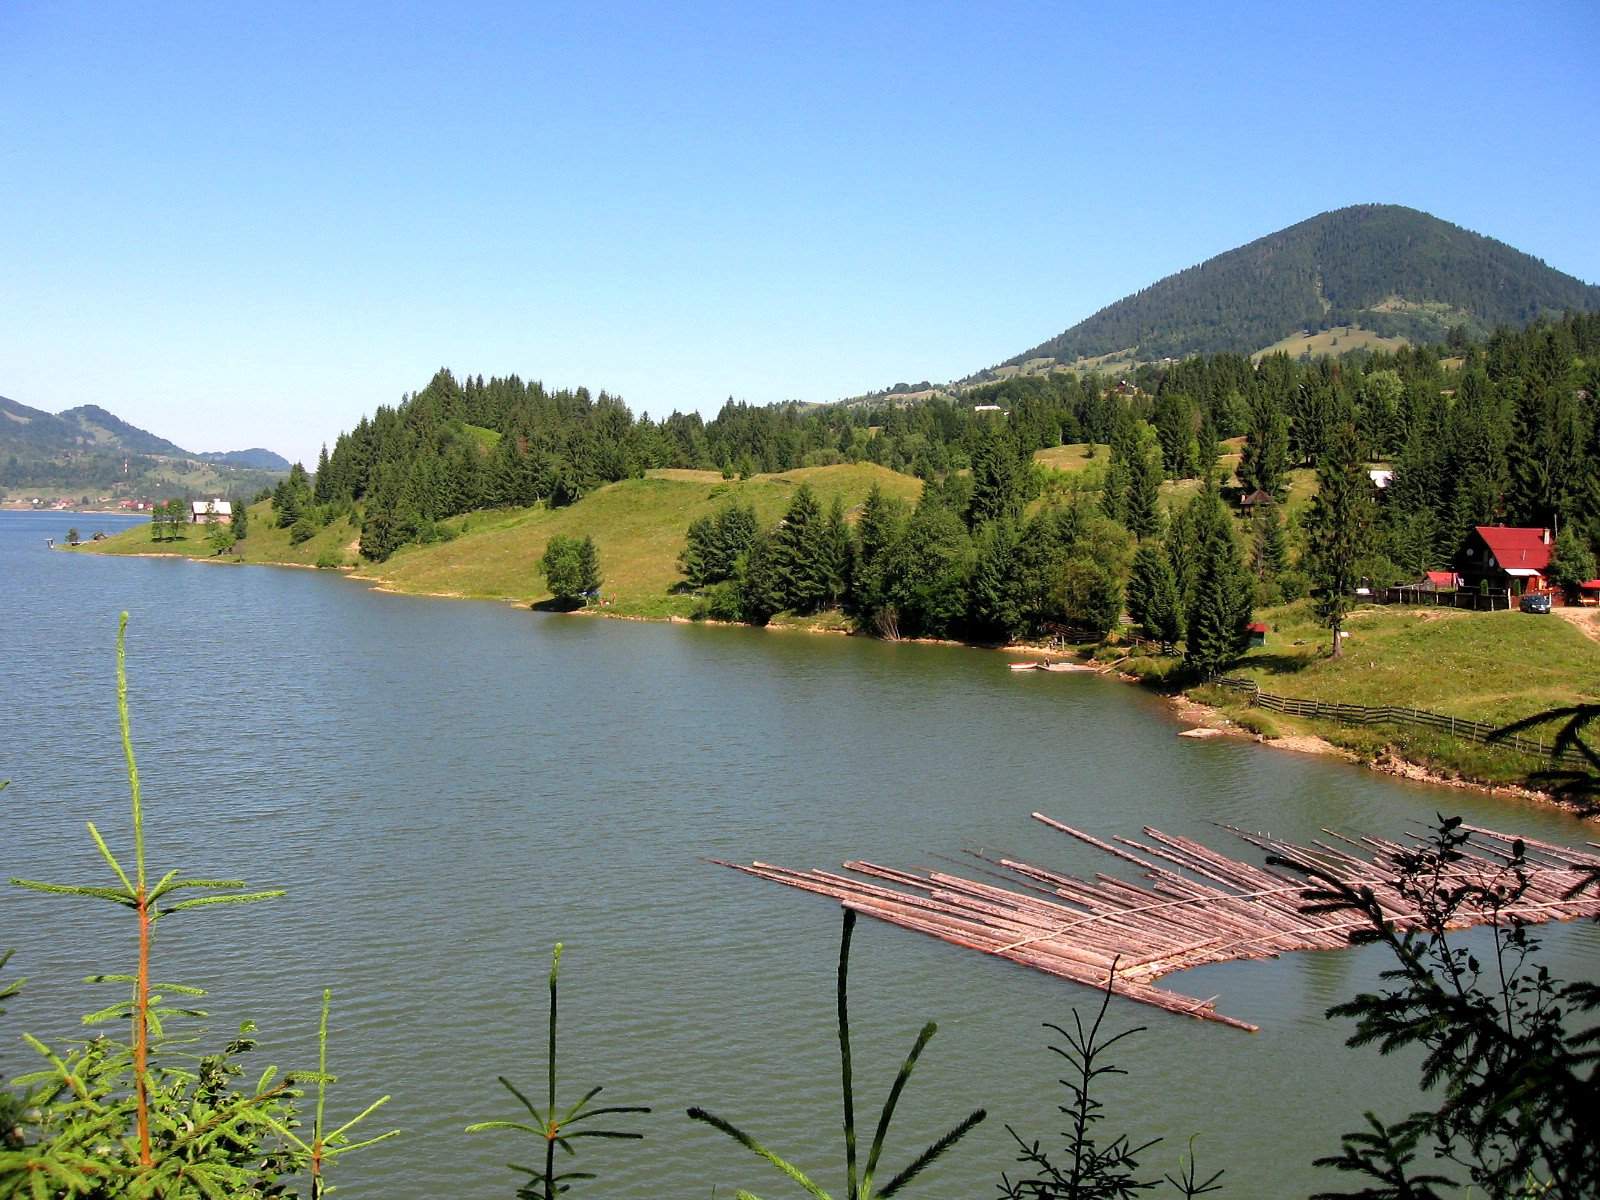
x,y
1198,906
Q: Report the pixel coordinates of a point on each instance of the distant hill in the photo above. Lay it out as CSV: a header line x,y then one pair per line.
x,y
88,448
108,429
1390,270
255,458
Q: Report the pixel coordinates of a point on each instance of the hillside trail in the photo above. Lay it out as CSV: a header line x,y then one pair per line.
x,y
1583,619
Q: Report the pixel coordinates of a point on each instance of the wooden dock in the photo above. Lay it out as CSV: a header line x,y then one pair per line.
x,y
1198,906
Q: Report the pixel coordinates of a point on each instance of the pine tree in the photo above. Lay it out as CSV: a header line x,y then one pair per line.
x,y
996,478
1219,607
1265,458
876,533
323,491
1141,509
993,598
1338,529
834,548
1153,594
1269,553
1175,423
588,566
926,573
1208,448
760,592
799,572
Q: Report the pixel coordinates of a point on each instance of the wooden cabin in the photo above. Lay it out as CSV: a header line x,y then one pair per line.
x,y
1507,557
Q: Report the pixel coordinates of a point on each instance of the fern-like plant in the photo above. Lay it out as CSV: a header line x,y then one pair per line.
x,y
143,1117
553,1126
857,1186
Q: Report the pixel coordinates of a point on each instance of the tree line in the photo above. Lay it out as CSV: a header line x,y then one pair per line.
x,y
1502,430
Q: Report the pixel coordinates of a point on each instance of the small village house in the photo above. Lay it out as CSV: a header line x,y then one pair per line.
x,y
210,512
1438,581
1257,631
1515,560
1255,500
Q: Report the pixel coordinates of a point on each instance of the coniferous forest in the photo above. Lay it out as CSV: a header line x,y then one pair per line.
x,y
1499,430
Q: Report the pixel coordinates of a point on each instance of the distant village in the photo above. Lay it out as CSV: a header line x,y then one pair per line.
x,y
79,504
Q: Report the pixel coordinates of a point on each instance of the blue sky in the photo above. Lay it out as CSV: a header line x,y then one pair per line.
x,y
249,224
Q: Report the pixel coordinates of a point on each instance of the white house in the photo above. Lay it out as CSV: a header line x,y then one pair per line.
x,y
209,512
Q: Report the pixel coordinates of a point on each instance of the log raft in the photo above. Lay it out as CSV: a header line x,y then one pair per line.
x,y
1195,906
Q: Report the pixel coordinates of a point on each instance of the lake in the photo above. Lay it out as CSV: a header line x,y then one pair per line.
x,y
447,788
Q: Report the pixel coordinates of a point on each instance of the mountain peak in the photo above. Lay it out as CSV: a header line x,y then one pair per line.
x,y
1389,269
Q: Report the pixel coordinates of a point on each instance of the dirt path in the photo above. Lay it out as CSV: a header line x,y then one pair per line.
x,y
1582,618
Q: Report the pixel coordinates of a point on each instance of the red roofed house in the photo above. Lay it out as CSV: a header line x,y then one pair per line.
x,y
1510,558
1439,581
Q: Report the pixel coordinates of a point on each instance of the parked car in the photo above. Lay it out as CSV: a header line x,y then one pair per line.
x,y
1536,602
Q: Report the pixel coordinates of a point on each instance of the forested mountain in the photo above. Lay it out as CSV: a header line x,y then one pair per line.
x,y
1389,269
89,448
255,458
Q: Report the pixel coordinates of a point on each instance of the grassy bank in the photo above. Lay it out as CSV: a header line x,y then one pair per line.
x,y
639,526
265,543
1495,667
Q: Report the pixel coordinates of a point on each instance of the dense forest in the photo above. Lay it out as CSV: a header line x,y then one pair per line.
x,y
1393,270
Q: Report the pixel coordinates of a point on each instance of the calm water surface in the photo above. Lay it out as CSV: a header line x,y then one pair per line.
x,y
448,788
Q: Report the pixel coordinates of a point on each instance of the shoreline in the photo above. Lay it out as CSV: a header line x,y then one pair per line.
x,y
1200,720
1201,716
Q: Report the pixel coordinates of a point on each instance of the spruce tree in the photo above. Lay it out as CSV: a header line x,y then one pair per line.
x,y
324,482
927,570
760,592
997,468
876,532
1265,458
695,560
1219,606
834,546
588,565
1141,508
1175,424
1338,529
797,555
994,610
1153,594
1269,553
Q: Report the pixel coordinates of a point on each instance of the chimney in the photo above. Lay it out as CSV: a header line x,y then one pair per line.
x,y
1545,535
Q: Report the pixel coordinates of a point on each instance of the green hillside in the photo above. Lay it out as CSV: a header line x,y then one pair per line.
x,y
638,525
1393,271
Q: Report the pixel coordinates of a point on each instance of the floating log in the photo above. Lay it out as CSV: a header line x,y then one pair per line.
x,y
1198,905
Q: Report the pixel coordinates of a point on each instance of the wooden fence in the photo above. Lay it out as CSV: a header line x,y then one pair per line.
x,y
1363,714
1498,600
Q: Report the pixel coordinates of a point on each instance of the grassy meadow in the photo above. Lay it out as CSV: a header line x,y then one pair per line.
x,y
1497,667
1341,339
638,525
